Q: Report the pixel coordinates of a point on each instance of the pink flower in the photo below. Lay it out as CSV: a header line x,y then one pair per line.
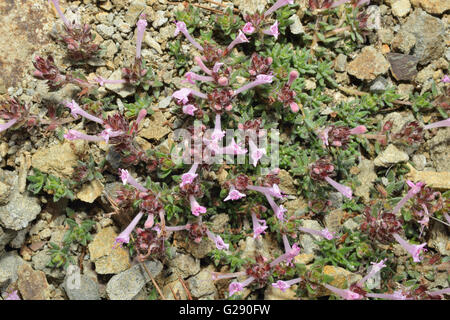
x,y
235,287
13,296
241,38
220,244
76,110
8,125
273,191
446,79
443,123
413,249
189,109
191,77
233,148
284,285
397,295
196,209
323,233
279,211
259,226
248,28
234,194
202,66
141,25
344,190
273,30
76,135
128,179
346,294
124,236
108,133
255,153
182,95
277,5
358,130
415,189
376,267
260,79
290,253
181,27
189,176
292,76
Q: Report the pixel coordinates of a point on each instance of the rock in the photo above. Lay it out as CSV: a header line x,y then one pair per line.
x,y
80,287
307,240
110,49
219,222
296,27
398,120
368,64
379,85
296,207
333,220
435,6
21,209
287,183
391,155
425,75
404,90
401,8
439,147
19,239
200,250
420,161
106,258
429,33
386,35
159,19
177,288
201,285
366,177
251,6
351,225
9,264
342,278
32,284
5,190
152,43
127,284
106,32
6,236
41,260
272,293
184,265
155,127
134,10
304,258
438,180
374,18
123,90
439,239
59,159
252,247
404,41
25,27
340,63
91,191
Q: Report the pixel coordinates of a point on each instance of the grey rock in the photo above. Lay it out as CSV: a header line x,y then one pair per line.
x,y
439,239
106,32
127,284
296,27
164,103
251,6
419,161
385,35
351,225
6,236
201,285
404,41
110,49
379,85
391,155
41,260
340,64
307,240
333,219
5,190
439,147
366,177
429,33
123,90
401,8
398,121
185,265
19,239
134,10
374,18
159,19
219,221
80,287
9,263
251,247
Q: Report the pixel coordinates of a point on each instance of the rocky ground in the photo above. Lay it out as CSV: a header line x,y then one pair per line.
x,y
408,48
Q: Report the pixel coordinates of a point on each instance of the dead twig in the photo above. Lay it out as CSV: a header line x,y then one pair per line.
x,y
185,288
153,280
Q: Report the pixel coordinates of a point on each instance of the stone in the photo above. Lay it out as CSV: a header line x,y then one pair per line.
x,y
80,287
439,147
295,207
391,155
6,236
32,284
368,64
5,190
134,10
155,127
184,265
340,63
177,288
404,90
296,27
437,180
152,43
404,41
159,19
106,32
307,240
219,222
41,260
106,258
333,220
9,264
351,225
342,278
202,249
25,27
429,33
439,239
127,284
20,209
272,293
385,35
366,177
304,258
251,6
59,159
398,120
379,85
374,18
110,49
19,238
201,285
435,6
251,247
90,191
287,183
401,8
122,89
419,161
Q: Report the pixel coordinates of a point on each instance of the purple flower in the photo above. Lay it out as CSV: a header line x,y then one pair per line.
x,y
241,38
415,189
8,125
191,77
202,66
60,13
76,135
323,233
443,123
102,81
413,249
273,191
397,295
358,130
236,287
220,244
277,5
233,148
248,28
284,285
376,267
446,79
234,194
189,176
76,110
259,226
344,293
124,236
255,153
181,27
189,109
278,210
346,191
128,179
13,296
196,209
290,253
182,95
260,79
149,222
273,30
141,25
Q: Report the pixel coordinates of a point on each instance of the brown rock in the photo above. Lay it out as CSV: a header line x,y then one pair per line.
x,y
438,180
91,191
156,127
287,182
32,284
403,66
435,6
368,64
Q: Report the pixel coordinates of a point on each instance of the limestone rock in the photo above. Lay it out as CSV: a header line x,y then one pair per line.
x,y
368,64
32,284
401,8
9,264
438,180
185,265
201,285
435,6
272,293
391,155
366,177
440,149
91,191
155,127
